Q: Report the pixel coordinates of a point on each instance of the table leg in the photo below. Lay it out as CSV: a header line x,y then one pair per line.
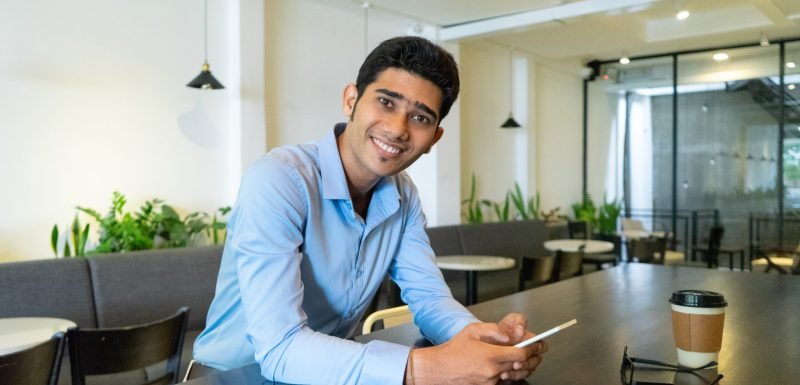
x,y
472,287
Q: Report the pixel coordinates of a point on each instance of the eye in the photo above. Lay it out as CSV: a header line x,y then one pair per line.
x,y
421,119
384,101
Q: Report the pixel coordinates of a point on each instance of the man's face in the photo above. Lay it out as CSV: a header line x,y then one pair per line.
x,y
391,125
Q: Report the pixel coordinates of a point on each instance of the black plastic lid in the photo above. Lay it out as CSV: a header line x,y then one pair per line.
x,y
698,298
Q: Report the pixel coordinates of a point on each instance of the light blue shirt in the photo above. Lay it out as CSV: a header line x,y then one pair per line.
x,y
300,267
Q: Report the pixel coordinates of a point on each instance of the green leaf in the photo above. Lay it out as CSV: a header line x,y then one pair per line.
x,y
169,212
54,240
66,250
82,243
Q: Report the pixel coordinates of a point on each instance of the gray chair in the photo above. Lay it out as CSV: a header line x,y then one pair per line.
x,y
36,365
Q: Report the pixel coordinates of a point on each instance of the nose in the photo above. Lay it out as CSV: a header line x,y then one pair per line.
x,y
397,126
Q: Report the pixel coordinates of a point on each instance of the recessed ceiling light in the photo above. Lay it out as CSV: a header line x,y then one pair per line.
x,y
790,64
624,60
682,15
720,56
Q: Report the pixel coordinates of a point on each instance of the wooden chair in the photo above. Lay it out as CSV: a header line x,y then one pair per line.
x,y
391,317
37,365
116,350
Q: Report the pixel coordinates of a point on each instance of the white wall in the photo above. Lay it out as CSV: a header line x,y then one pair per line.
x,y
559,121
93,100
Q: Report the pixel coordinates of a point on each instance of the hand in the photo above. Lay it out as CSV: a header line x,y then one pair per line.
x,y
473,356
515,325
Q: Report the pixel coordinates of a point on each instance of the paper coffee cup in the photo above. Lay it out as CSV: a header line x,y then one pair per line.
x,y
698,318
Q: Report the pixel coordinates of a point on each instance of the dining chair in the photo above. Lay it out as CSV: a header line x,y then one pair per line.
x,y
714,248
644,250
568,264
632,224
601,259
36,365
535,271
579,229
115,350
781,260
391,317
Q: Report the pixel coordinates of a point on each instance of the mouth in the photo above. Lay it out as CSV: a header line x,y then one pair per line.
x,y
386,148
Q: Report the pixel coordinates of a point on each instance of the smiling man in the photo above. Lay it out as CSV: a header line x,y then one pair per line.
x,y
317,226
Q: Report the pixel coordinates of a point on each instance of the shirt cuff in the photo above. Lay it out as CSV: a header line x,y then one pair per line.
x,y
385,363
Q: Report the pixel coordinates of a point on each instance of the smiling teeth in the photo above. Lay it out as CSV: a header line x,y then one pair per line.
x,y
386,147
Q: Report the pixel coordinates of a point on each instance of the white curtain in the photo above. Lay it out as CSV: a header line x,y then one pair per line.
x,y
641,153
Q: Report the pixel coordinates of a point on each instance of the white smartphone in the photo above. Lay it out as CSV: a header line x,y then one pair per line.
x,y
546,334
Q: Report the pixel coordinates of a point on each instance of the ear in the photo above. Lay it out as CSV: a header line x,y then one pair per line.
x,y
436,137
349,97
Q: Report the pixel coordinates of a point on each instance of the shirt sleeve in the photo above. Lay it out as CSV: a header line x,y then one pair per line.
x,y
267,236
422,286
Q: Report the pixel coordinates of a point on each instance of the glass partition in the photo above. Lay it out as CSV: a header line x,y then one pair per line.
x,y
728,119
791,146
707,151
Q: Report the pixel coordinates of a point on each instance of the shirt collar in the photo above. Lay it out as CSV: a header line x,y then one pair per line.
x,y
334,182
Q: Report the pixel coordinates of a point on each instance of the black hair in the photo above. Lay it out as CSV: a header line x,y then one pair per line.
x,y
418,56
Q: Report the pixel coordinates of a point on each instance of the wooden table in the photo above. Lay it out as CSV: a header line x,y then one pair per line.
x,y
18,333
627,305
472,264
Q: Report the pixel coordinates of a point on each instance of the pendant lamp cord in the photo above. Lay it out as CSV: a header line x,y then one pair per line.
x,y
365,6
510,80
205,32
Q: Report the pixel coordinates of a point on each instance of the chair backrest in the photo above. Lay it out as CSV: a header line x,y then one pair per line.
x,y
715,238
644,249
632,224
391,317
568,265
538,270
37,365
578,230
114,350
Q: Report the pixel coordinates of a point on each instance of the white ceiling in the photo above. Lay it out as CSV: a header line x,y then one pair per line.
x,y
574,30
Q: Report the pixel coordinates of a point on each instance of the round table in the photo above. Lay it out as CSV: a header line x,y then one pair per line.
x,y
591,246
472,264
19,333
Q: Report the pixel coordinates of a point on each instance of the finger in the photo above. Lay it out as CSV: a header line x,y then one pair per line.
x,y
509,354
489,333
515,325
516,375
530,364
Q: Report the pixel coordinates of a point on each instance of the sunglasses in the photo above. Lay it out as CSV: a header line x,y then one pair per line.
x,y
629,364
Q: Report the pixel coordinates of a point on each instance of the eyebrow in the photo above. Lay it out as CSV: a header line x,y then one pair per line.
x,y
399,96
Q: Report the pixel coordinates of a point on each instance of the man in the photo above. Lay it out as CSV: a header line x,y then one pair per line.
x,y
317,226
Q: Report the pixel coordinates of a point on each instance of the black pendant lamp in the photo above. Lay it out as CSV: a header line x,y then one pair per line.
x,y
205,81
510,122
